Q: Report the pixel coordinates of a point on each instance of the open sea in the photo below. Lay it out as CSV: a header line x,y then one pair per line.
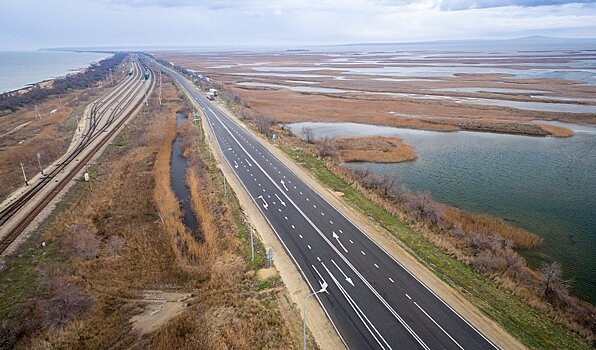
x,y
19,69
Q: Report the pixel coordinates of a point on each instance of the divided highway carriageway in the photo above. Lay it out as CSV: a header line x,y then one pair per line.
x,y
371,299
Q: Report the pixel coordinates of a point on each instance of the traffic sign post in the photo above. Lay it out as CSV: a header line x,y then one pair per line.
x,y
270,256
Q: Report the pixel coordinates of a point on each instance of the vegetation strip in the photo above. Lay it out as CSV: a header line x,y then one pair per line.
x,y
119,245
537,323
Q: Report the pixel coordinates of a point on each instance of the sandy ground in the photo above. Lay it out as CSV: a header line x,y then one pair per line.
x,y
265,274
159,307
488,327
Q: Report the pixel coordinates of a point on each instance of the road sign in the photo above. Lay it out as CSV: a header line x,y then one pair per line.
x,y
270,255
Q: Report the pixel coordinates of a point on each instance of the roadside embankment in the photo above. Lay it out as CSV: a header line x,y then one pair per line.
x,y
117,268
472,254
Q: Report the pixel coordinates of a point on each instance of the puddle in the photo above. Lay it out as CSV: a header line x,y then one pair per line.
x,y
178,167
496,90
294,88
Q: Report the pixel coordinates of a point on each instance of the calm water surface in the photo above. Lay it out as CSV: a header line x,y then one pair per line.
x,y
178,167
545,185
21,68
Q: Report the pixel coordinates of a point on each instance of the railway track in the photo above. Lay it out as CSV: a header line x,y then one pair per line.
x,y
106,116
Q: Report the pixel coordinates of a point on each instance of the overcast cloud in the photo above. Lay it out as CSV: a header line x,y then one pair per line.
x,y
28,24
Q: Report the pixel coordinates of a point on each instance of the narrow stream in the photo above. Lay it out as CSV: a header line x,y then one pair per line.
x,y
178,167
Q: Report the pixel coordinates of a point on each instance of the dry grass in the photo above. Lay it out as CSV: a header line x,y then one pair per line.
x,y
49,136
121,236
470,222
484,243
557,131
376,149
400,111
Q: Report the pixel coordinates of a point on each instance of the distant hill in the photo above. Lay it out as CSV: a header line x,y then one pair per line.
x,y
528,43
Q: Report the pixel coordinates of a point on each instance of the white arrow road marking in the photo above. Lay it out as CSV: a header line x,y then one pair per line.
x,y
247,162
337,239
265,205
343,273
235,165
321,278
280,200
367,323
284,185
371,288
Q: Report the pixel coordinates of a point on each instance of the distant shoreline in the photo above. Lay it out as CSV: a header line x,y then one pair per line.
x,y
60,71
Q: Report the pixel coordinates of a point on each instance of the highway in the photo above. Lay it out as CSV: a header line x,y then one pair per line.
x,y
105,117
372,300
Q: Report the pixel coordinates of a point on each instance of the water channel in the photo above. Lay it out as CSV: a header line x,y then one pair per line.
x,y
178,167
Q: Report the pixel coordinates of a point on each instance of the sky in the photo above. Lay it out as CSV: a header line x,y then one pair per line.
x,y
33,24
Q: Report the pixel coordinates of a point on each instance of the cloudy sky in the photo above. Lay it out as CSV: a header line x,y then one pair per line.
x,y
30,24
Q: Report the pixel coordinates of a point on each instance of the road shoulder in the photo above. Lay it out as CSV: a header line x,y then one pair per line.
x,y
383,238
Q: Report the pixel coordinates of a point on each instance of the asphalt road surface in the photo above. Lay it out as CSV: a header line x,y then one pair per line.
x,y
372,300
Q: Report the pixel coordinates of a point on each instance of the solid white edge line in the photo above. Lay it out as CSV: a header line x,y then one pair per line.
x,y
370,287
441,328
281,241
378,245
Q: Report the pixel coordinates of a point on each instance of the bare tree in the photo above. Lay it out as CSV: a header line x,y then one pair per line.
x,y
83,244
386,183
308,134
328,148
553,277
63,299
362,173
263,124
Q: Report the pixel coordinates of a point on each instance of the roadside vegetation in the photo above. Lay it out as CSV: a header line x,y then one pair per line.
x,y
119,269
475,254
24,134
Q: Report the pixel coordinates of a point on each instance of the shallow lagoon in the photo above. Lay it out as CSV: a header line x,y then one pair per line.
x,y
545,185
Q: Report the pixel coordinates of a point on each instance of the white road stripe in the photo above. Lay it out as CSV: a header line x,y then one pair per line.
x,y
438,325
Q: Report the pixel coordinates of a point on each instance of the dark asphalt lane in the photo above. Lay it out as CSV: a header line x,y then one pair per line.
x,y
372,300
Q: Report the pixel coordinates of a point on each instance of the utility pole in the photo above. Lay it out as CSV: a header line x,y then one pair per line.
x,y
160,87
224,183
78,128
322,290
252,247
39,162
37,112
60,100
24,175
76,95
